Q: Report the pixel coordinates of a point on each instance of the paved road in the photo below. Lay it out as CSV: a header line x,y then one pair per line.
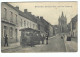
x,y
56,44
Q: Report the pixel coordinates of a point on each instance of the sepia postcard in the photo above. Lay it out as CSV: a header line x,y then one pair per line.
x,y
28,27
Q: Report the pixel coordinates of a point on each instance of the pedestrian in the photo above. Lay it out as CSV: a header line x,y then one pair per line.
x,y
43,37
68,38
6,40
39,38
62,36
47,35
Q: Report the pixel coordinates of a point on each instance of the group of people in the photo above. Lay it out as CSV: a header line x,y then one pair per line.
x,y
40,38
44,37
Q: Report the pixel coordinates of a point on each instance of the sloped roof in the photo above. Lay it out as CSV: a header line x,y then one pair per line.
x,y
10,5
28,16
74,19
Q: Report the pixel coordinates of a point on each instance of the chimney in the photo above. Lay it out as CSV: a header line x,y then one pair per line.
x,y
41,17
17,7
29,12
38,17
25,10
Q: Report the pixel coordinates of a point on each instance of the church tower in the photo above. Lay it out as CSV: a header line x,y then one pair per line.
x,y
62,23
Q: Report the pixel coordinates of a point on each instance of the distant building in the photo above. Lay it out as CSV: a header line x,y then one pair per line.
x,y
62,23
43,25
55,29
69,26
50,30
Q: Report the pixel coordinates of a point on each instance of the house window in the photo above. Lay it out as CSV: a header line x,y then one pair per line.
x,y
27,24
21,22
11,32
11,17
33,26
16,35
5,30
24,23
30,25
16,18
5,13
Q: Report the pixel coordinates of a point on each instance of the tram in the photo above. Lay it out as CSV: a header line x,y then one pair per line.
x,y
29,37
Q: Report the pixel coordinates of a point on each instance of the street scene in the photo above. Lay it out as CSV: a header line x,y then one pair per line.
x,y
30,27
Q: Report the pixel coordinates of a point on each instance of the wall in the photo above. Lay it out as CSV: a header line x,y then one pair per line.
x,y
6,22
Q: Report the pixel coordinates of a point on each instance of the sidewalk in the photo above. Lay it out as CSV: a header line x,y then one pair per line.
x,y
71,46
14,45
11,46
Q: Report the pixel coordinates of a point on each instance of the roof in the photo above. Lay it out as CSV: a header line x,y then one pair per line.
x,y
74,19
10,5
28,16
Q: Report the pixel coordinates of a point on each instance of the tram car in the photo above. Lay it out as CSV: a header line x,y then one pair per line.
x,y
29,37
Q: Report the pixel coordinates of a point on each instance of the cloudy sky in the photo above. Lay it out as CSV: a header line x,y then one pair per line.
x,y
49,10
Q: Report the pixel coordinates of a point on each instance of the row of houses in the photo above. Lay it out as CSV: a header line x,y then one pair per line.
x,y
73,26
12,20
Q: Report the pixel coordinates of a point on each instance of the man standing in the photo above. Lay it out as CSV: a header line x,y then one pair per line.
x,y
47,35
43,37
6,40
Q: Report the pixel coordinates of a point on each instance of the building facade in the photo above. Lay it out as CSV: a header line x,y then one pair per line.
x,y
74,26
43,25
9,23
50,30
56,29
27,20
12,20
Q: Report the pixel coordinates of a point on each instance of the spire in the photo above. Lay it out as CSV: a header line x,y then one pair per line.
x,y
62,16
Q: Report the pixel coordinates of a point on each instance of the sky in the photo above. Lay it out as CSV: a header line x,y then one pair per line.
x,y
49,10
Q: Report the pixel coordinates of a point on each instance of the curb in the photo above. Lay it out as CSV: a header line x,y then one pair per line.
x,y
9,48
